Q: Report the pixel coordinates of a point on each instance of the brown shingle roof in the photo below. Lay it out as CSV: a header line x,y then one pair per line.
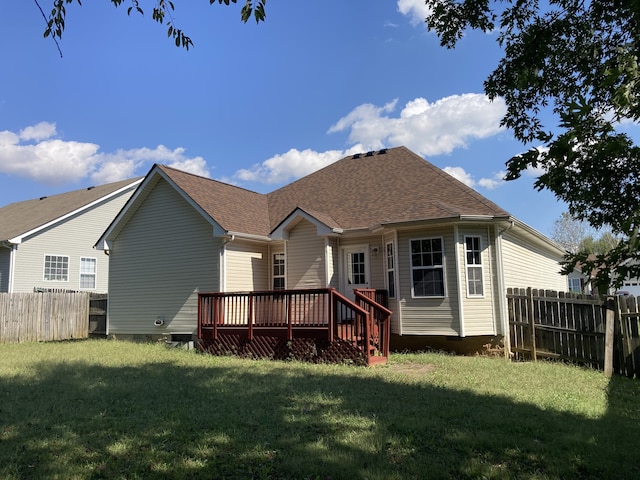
x,y
19,218
235,209
393,185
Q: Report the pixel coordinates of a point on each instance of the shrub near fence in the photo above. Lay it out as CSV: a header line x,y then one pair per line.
x,y
41,317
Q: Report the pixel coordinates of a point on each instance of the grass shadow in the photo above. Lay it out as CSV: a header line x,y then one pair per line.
x,y
234,419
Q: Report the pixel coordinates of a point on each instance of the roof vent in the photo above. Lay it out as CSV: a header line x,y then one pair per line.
x,y
369,154
90,188
356,155
382,151
42,198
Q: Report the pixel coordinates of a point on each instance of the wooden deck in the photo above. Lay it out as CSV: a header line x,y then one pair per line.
x,y
318,325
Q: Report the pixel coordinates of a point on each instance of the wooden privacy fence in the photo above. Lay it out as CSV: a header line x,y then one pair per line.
x,y
41,317
571,327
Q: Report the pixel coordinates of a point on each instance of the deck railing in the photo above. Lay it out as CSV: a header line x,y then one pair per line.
x,y
379,319
317,310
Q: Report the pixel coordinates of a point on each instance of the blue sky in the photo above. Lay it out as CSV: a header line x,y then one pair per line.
x,y
253,105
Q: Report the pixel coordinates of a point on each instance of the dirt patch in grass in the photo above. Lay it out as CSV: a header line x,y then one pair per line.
x,y
411,368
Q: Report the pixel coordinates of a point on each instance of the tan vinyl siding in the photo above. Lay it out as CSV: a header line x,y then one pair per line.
x,y
74,238
305,258
333,263
247,266
527,265
478,311
185,260
5,268
428,316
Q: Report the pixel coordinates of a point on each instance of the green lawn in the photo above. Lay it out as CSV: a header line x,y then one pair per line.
x,y
112,409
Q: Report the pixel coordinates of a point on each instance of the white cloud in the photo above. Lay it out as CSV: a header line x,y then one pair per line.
x,y
39,131
494,182
466,178
416,10
459,173
291,165
426,128
55,161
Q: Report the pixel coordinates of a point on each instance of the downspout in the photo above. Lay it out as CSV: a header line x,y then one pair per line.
x,y
459,279
503,290
223,261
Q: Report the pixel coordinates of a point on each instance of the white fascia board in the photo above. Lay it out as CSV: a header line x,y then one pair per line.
x,y
323,230
18,239
217,229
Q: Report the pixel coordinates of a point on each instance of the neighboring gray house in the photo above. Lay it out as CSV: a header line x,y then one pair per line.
x,y
385,220
47,243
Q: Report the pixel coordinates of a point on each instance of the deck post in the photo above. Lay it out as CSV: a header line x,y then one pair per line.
x,y
250,316
332,316
289,320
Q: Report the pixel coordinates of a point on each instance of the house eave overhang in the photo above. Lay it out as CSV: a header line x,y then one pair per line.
x,y
281,232
512,223
432,222
155,172
19,238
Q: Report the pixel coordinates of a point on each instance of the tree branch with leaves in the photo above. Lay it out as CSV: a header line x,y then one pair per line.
x,y
576,62
161,13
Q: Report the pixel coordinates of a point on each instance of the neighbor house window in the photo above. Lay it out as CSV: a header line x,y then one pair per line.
x,y
427,267
87,272
575,285
473,255
56,268
391,270
278,271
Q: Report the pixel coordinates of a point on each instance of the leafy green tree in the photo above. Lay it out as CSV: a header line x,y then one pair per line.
x,y
161,13
570,80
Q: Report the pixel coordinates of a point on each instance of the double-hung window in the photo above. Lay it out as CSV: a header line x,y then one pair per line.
x,y
87,272
56,268
278,271
473,256
427,267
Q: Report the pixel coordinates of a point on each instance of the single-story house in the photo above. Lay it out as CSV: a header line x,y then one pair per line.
x,y
385,219
47,243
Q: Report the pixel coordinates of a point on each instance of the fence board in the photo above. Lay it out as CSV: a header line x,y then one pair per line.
x,y
42,317
567,326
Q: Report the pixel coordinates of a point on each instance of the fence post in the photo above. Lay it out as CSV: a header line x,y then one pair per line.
x,y
609,305
532,323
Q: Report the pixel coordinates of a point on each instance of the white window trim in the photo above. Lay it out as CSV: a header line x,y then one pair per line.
x,y
444,270
393,270
44,267
95,274
469,266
